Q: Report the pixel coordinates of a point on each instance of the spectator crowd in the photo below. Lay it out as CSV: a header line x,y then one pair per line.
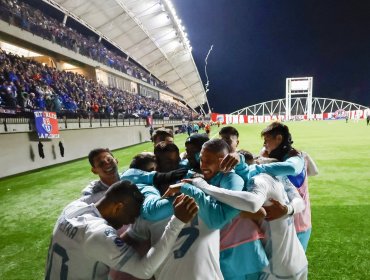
x,y
23,15
29,85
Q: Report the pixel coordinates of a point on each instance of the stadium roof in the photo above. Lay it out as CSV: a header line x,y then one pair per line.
x,y
150,32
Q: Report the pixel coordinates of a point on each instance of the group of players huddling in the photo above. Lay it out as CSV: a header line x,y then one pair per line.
x,y
214,212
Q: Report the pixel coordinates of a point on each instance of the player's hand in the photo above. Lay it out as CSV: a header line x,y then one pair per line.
x,y
229,162
172,190
259,215
185,208
276,210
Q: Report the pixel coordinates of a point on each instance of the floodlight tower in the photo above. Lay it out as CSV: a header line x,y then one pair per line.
x,y
298,86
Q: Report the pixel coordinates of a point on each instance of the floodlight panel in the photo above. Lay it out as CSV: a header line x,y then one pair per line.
x,y
299,85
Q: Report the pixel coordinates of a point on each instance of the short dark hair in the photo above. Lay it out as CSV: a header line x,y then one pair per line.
x,y
197,140
216,146
163,147
162,133
142,160
229,130
247,155
278,128
123,189
95,152
285,148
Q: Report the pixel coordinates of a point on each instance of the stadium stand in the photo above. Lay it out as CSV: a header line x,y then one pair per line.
x,y
33,20
27,85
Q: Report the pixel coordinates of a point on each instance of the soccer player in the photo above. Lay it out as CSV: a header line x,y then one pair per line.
x,y
189,128
195,128
197,248
105,166
193,146
292,166
231,136
144,161
85,241
286,255
162,134
144,169
154,208
207,128
242,253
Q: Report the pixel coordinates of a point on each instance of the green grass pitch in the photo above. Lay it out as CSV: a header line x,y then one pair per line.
x,y
340,241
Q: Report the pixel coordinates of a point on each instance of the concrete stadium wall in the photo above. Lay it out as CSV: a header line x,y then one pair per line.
x,y
19,151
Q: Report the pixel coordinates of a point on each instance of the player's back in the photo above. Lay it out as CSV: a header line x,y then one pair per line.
x,y
282,246
195,254
66,258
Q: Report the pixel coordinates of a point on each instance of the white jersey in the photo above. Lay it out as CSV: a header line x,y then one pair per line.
x,y
84,246
94,191
195,254
285,252
312,169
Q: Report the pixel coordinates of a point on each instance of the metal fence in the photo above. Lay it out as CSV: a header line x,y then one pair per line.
x,y
74,121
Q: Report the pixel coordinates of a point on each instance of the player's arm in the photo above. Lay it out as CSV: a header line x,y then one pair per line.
x,y
130,240
296,203
277,210
114,252
312,169
292,166
154,207
250,201
138,176
108,248
242,168
213,213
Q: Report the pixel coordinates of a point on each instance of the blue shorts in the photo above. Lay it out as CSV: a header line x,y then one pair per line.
x,y
304,237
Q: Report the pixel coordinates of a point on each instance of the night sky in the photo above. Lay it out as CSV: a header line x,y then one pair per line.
x,y
260,43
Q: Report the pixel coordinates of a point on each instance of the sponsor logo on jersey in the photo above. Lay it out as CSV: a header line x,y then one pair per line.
x,y
109,231
119,242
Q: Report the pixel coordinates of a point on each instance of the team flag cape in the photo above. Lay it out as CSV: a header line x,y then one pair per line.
x,y
149,121
46,124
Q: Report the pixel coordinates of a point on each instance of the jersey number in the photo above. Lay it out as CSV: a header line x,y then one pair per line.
x,y
57,249
192,232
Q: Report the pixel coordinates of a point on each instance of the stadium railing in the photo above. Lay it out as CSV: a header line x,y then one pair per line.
x,y
12,120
